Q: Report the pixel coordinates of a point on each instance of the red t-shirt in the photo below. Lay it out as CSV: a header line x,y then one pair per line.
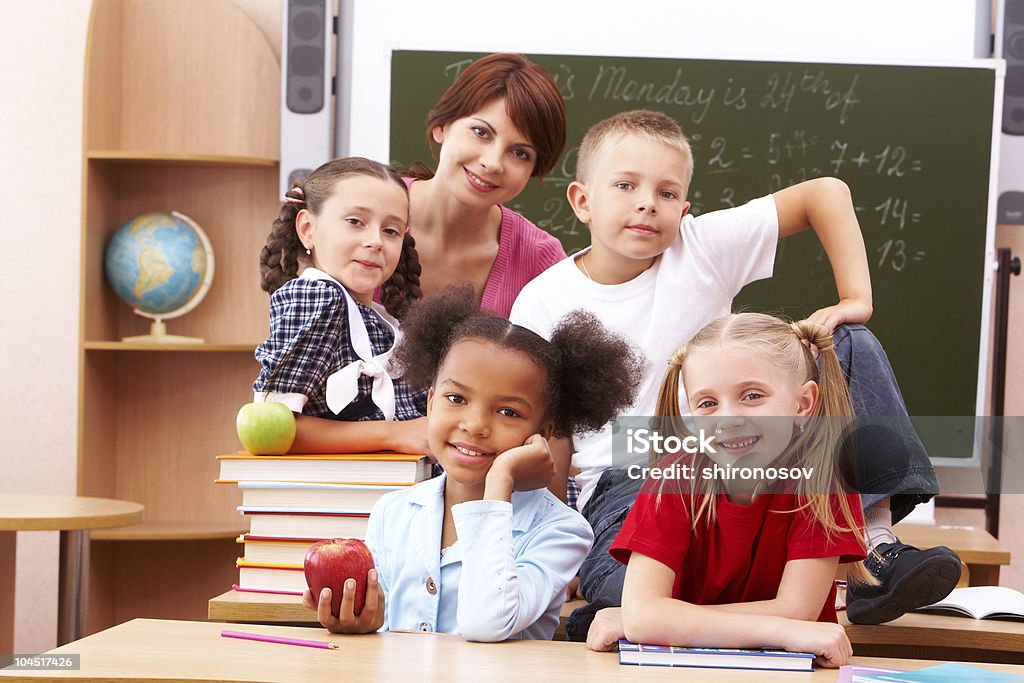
x,y
740,559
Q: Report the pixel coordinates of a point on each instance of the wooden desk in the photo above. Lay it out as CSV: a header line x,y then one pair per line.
x,y
73,516
937,636
980,551
156,650
915,635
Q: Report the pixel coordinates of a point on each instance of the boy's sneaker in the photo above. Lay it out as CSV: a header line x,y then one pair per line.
x,y
908,578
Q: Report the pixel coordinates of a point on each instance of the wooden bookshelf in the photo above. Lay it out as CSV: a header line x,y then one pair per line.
x,y
181,114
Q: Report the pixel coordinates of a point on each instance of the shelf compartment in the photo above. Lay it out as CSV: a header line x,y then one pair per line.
x,y
153,424
182,77
235,206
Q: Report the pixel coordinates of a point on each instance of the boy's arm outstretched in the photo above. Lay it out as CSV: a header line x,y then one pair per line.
x,y
825,205
650,615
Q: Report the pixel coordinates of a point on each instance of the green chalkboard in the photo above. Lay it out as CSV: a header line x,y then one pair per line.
x,y
913,143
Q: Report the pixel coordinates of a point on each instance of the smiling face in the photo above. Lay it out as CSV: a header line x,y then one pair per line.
x,y
633,201
485,400
357,238
750,403
484,160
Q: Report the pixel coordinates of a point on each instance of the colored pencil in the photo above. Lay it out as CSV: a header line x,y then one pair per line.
x,y
279,639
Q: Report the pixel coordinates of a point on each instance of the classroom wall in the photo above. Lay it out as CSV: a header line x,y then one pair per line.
x,y
42,53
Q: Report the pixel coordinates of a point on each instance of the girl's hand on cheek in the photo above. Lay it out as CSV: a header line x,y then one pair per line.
x,y
523,468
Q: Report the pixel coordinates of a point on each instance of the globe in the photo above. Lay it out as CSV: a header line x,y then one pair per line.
x,y
160,264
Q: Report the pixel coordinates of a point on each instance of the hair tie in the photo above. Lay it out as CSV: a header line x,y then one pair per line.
x,y
677,357
301,199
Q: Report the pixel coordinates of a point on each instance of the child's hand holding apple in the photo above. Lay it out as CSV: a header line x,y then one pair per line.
x,y
350,600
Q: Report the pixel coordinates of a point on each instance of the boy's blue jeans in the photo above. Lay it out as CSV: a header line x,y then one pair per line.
x,y
893,464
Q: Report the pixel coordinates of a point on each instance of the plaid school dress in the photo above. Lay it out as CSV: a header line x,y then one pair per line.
x,y
311,342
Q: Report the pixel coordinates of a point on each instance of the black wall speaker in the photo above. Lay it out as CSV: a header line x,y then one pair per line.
x,y
307,107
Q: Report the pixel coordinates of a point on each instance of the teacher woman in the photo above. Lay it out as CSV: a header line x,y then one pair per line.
x,y
499,124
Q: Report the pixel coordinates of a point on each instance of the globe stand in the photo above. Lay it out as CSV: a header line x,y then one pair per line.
x,y
158,334
158,330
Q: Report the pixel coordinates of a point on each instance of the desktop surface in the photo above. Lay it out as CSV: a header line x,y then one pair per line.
x,y
159,650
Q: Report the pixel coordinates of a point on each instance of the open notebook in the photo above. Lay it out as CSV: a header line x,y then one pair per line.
x,y
982,602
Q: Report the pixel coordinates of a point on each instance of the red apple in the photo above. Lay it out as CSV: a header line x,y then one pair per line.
x,y
331,562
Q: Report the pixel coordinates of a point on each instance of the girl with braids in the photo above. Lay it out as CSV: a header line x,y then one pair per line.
x,y
345,227
727,562
484,550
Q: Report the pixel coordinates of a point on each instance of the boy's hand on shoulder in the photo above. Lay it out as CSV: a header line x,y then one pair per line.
x,y
370,619
606,629
828,642
846,311
523,468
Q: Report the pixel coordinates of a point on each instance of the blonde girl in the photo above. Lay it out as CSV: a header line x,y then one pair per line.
x,y
734,562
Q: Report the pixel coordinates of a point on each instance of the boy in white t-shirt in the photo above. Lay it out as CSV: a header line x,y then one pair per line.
x,y
656,276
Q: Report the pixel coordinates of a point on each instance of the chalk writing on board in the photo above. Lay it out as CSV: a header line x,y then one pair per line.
x,y
452,71
612,82
556,217
564,78
895,253
891,161
893,211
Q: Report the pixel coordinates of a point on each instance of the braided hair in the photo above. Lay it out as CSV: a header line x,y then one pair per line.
x,y
283,255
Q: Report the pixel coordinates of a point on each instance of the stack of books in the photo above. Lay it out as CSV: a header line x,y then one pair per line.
x,y
292,501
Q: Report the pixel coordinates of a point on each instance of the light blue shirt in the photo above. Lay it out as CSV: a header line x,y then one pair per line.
x,y
504,578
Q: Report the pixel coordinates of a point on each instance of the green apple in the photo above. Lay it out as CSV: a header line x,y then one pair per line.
x,y
266,428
